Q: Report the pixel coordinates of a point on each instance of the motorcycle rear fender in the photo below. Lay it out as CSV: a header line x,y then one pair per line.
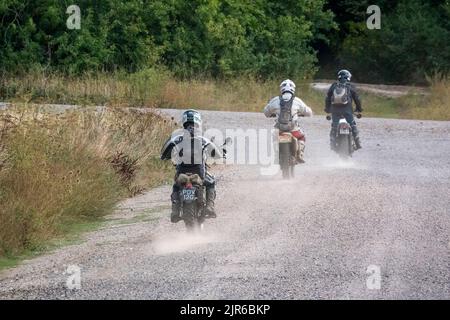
x,y
184,179
343,125
285,137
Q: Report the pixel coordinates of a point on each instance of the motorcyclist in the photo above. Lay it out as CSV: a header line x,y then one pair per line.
x,y
189,150
287,108
339,102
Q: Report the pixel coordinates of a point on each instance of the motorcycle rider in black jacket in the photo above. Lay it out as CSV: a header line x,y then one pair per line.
x,y
189,150
339,101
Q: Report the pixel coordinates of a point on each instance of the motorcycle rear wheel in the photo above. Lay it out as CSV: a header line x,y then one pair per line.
x,y
343,146
190,216
286,161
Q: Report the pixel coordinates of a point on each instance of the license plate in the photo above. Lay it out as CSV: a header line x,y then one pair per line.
x,y
344,131
284,139
188,194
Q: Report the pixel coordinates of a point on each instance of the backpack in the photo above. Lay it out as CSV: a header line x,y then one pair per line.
x,y
285,123
341,94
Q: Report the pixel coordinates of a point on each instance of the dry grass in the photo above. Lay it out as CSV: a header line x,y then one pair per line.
x,y
244,94
56,170
142,88
157,88
436,106
147,88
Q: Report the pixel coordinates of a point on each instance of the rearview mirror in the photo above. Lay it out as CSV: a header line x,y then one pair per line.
x,y
228,141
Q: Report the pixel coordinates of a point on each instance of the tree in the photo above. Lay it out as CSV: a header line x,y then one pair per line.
x,y
412,42
220,38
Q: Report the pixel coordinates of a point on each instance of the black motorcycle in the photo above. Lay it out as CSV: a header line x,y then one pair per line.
x,y
192,197
345,143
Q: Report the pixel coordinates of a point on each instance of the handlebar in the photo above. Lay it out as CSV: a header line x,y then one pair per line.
x,y
358,115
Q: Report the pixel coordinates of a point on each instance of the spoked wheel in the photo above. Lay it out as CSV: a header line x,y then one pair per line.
x,y
344,144
288,171
189,215
286,161
292,170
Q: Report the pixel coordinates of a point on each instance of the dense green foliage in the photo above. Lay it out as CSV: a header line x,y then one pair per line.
x,y
207,37
228,38
413,42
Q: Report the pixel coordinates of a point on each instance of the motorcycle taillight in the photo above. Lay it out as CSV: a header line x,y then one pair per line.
x,y
188,186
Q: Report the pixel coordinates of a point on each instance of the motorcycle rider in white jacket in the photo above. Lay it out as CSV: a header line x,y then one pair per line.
x,y
288,108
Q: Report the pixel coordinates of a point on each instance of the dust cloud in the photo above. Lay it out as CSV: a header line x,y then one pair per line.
x,y
184,241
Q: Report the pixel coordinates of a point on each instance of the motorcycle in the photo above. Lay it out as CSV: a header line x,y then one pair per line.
x,y
191,196
345,143
287,146
287,150
192,200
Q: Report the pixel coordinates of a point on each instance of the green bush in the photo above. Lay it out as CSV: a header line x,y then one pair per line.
x,y
412,43
191,38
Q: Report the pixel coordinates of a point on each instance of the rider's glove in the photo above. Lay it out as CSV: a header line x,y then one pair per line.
x,y
359,110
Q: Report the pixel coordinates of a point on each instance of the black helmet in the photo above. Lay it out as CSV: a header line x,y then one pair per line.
x,y
344,75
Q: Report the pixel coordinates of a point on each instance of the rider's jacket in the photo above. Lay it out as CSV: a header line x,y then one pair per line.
x,y
299,108
189,152
348,108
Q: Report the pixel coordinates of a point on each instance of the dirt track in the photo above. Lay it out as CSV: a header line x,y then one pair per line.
x,y
311,238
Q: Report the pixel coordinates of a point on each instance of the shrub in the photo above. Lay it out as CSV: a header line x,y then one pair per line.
x,y
56,169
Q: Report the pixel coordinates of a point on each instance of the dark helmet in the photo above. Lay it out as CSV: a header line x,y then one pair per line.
x,y
191,117
344,75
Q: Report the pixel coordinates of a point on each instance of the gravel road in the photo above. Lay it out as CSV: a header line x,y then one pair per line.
x,y
328,234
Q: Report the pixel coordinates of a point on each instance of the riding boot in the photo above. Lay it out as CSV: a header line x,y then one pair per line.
x,y
356,137
357,143
176,207
333,138
210,197
300,152
201,202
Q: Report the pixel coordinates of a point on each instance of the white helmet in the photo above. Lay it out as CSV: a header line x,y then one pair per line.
x,y
287,86
193,117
